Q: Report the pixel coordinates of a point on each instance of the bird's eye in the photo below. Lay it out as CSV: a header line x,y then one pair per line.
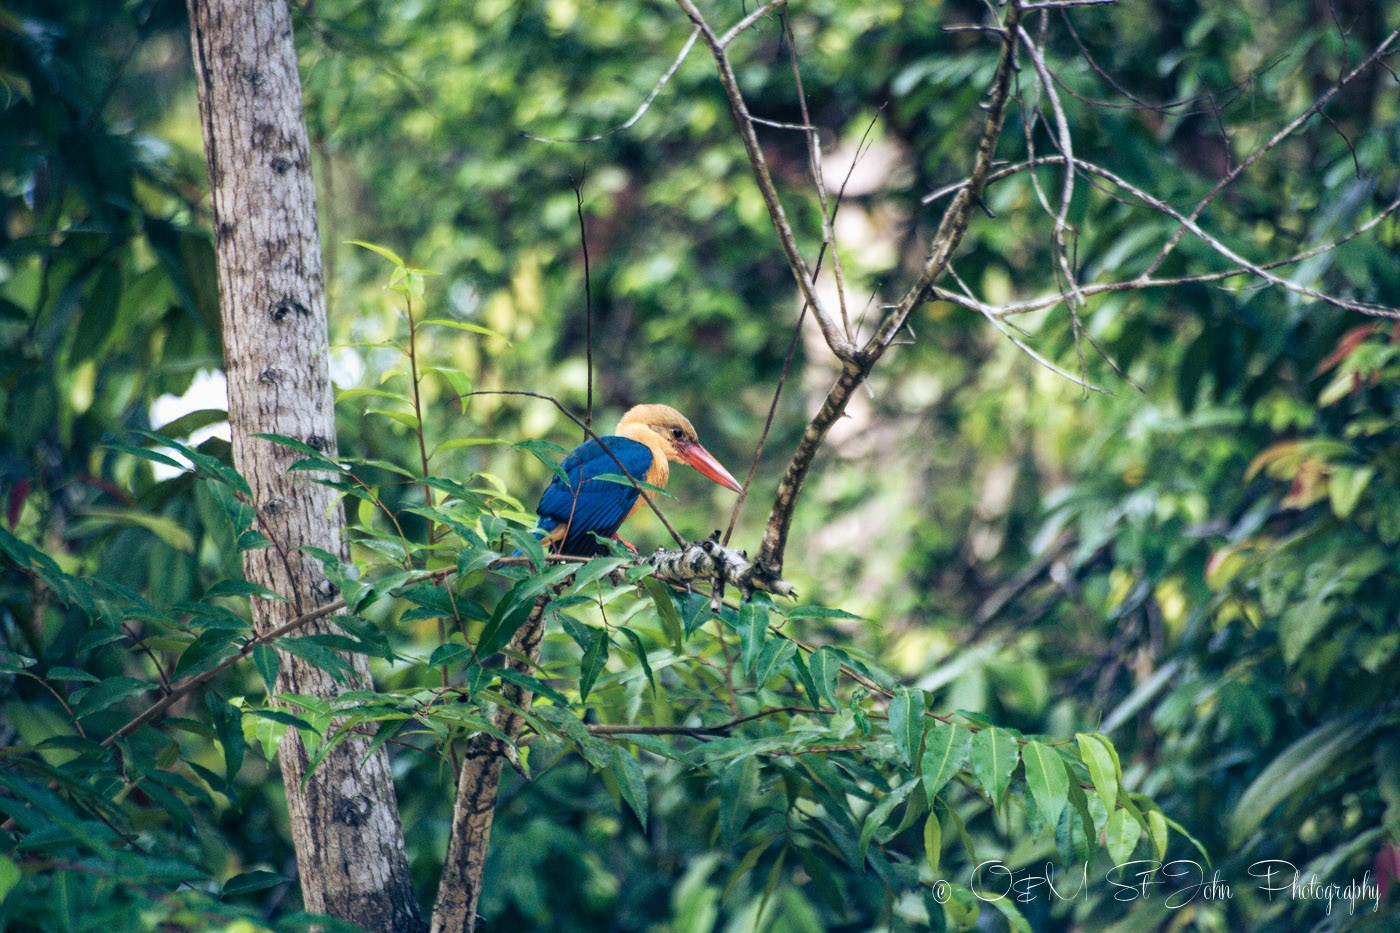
x,y
676,433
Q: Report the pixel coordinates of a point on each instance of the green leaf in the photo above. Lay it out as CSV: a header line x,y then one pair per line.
x,y
820,612
1122,836
510,613
249,881
207,651
1074,832
310,649
640,651
1299,769
753,630
12,663
240,588
826,669
933,841
945,754
546,453
292,443
1103,771
1157,824
458,381
537,687
774,655
63,673
632,782
228,726
150,455
345,395
9,876
457,443
470,561
1015,920
267,662
992,759
746,865
666,607
596,569
906,721
1047,779
112,690
382,251
163,528
594,660
738,788
622,480
1345,484
406,418
461,325
882,811
804,676
188,423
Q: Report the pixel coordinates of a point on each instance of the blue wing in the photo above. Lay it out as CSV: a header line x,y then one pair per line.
x,y
600,505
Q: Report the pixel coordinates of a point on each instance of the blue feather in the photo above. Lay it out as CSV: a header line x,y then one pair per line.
x,y
587,504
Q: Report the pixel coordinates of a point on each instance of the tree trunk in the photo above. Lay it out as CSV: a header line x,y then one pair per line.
x,y
344,818
478,784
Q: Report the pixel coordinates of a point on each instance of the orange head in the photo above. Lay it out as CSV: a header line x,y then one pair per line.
x,y
671,434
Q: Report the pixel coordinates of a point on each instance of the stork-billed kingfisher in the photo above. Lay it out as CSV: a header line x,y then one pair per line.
x,y
649,439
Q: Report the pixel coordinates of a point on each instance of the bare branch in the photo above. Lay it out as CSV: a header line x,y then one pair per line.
x,y
1188,221
709,560
1005,172
1064,4
814,159
857,368
748,21
839,345
1065,268
702,731
640,111
1145,281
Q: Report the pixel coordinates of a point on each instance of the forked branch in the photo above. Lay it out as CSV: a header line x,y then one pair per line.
x,y
857,366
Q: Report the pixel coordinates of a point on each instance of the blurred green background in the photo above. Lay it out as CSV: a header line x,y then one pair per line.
x,y
1198,562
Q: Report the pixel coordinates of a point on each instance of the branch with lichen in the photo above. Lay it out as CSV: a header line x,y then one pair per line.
x,y
708,560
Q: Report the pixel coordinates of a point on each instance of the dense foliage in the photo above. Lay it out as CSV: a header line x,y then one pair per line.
x,y
1073,627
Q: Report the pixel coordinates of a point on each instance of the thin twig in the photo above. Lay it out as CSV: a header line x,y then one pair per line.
x,y
701,731
1187,222
587,298
814,159
796,336
763,176
856,368
640,111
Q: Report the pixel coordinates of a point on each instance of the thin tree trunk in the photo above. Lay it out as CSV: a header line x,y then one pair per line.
x,y
474,809
344,818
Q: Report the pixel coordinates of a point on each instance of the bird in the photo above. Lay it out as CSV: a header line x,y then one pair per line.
x,y
649,438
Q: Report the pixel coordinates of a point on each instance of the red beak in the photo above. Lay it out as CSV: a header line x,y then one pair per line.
x,y
706,465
